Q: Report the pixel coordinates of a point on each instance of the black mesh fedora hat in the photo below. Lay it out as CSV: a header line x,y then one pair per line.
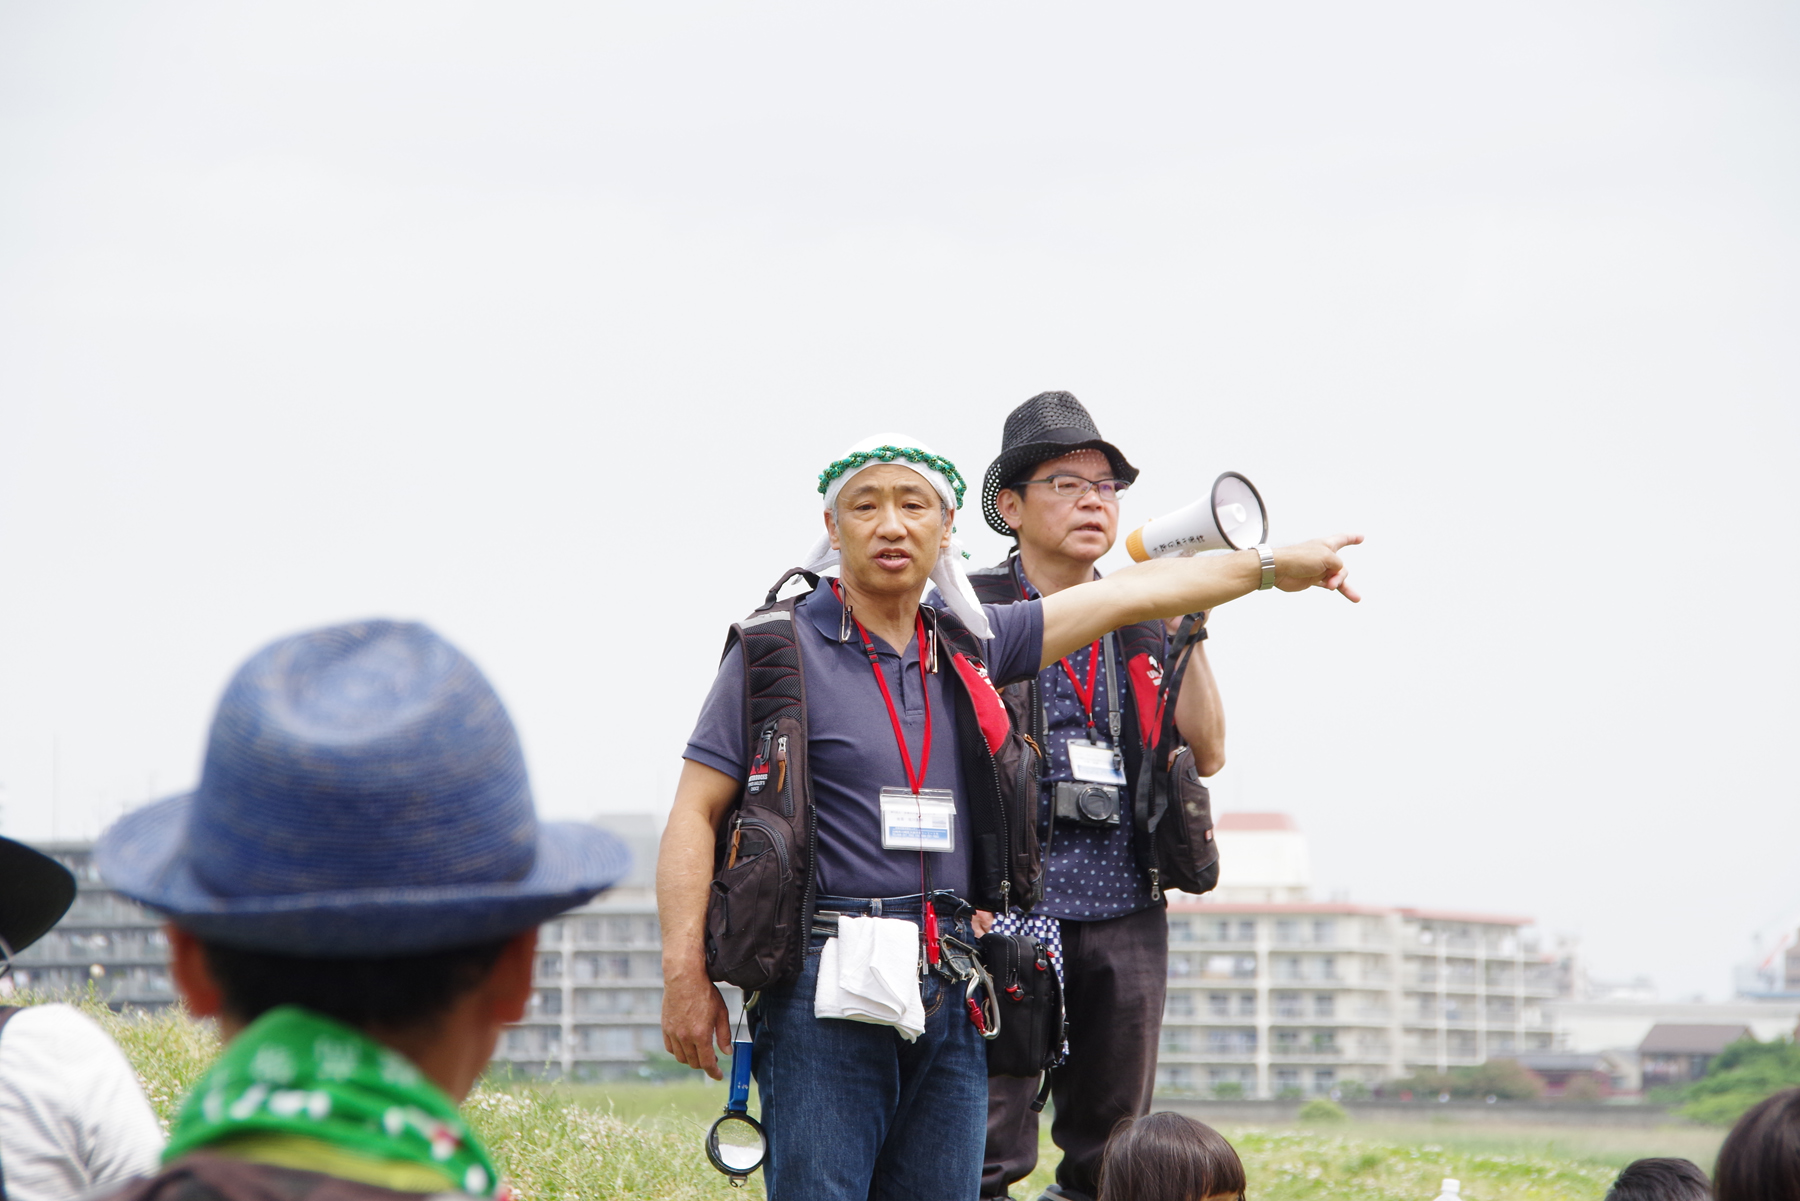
x,y
35,891
1048,425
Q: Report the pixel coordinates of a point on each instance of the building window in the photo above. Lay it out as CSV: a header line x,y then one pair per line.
x,y
1221,931
1231,1042
1324,1042
1325,933
1247,1004
1287,1005
1288,967
1218,1004
1287,931
1246,931
546,1002
1324,1079
1179,1005
1324,1005
1328,967
549,966
1245,967
1181,930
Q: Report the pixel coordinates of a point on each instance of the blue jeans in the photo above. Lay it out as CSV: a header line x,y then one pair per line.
x,y
853,1111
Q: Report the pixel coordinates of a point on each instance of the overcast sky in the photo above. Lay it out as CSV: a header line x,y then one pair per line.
x,y
538,322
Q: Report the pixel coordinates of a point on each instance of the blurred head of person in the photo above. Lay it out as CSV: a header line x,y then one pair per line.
x,y
1660,1180
363,845
1170,1157
1760,1158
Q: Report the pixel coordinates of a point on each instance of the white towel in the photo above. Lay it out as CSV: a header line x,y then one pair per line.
x,y
870,973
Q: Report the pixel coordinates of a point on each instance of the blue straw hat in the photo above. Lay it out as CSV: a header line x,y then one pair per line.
x,y
363,795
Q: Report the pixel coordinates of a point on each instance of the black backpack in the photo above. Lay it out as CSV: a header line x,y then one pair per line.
x,y
763,889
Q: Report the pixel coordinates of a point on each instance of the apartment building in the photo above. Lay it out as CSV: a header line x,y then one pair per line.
x,y
105,941
1273,994
596,1007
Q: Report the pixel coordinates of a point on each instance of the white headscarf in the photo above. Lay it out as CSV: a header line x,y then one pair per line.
x,y
947,573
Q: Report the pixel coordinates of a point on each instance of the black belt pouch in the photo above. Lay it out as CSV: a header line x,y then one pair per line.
x,y
1030,1002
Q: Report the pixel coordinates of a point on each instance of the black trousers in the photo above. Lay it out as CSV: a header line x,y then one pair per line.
x,y
1115,978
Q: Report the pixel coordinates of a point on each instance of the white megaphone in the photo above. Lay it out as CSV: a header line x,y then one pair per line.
x,y
1231,517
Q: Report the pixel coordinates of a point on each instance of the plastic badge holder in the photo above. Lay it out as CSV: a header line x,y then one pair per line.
x,y
736,1143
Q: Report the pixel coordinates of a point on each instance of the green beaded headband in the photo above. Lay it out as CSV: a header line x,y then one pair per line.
x,y
887,454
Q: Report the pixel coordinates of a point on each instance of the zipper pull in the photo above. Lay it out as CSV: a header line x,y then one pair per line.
x,y
780,762
737,833
1155,885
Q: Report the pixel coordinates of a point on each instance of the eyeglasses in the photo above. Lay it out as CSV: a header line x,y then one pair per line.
x,y
1074,487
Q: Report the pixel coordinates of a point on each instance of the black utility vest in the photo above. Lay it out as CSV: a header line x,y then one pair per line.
x,y
765,867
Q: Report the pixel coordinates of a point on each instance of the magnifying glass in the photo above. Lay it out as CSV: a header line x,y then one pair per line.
x,y
736,1143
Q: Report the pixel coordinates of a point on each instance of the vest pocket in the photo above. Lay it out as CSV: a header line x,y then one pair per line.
x,y
748,912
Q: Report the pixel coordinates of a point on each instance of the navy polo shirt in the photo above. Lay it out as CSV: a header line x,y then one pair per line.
x,y
851,748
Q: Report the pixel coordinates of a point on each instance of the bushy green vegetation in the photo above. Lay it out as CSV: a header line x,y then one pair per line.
x,y
1502,1078
1312,1165
1740,1076
1320,1110
640,1141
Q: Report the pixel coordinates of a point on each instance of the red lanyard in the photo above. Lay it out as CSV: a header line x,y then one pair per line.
x,y
1086,698
915,782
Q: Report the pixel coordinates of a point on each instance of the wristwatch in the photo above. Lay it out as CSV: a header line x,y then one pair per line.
x,y
1268,565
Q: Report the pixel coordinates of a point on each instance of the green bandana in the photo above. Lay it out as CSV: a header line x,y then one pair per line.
x,y
295,1072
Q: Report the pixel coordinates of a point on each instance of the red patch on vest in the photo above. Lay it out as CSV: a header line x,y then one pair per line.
x,y
990,710
1146,680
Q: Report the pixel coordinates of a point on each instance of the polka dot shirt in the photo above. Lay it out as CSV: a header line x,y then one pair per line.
x,y
1093,871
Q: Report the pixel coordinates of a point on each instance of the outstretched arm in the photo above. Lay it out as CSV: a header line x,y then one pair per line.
x,y
1166,588
694,1014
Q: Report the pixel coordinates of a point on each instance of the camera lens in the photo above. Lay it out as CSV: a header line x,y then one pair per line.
x,y
1095,804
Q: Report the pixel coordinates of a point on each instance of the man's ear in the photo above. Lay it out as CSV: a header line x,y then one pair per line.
x,y
509,984
831,530
1012,508
193,975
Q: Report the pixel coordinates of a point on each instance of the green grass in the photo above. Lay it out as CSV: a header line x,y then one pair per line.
x,y
633,1140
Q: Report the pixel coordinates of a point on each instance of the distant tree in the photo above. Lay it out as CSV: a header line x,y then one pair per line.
x,y
1352,1090
1228,1090
1739,1076
1320,1110
1582,1088
1503,1078
1288,1092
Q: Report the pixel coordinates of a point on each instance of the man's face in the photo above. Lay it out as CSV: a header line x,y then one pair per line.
x,y
1082,528
888,529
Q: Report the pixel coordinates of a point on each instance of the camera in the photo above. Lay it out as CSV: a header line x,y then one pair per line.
x,y
1087,804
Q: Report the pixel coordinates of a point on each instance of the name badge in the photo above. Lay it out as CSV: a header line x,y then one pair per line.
x,y
925,822
1095,764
